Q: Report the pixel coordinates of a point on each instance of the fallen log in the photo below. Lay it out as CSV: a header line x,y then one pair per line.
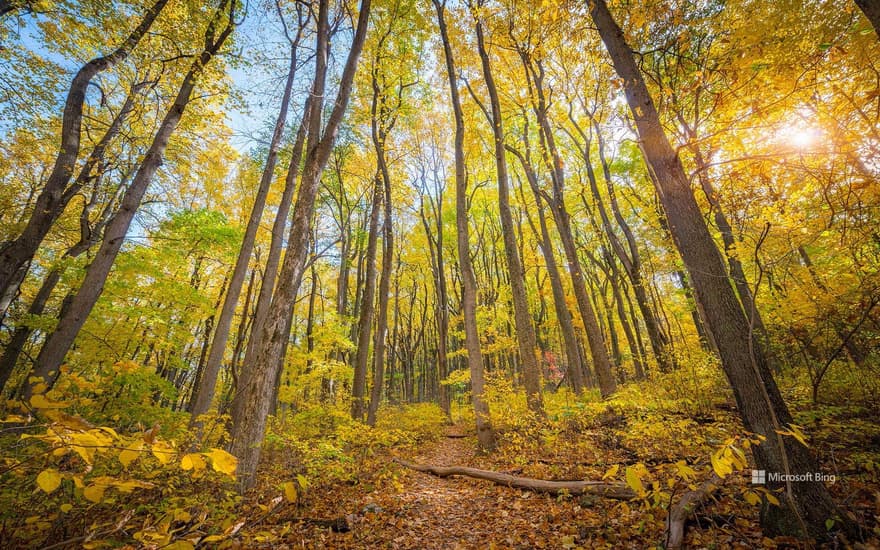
x,y
676,520
613,490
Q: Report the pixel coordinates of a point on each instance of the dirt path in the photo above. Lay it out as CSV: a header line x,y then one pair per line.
x,y
420,511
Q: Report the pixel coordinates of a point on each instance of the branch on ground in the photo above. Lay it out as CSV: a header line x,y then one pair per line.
x,y
678,516
619,491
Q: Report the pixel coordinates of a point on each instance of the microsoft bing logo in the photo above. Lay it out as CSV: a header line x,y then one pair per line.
x,y
759,477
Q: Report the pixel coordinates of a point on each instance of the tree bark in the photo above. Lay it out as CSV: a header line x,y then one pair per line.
x,y
485,432
251,404
15,254
382,122
806,505
575,368
58,343
630,257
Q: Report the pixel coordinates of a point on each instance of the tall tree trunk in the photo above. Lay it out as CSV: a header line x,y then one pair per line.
x,y
601,362
706,340
575,368
59,342
614,276
15,254
806,505
251,404
485,433
205,390
270,273
382,319
525,332
441,303
382,121
367,308
629,257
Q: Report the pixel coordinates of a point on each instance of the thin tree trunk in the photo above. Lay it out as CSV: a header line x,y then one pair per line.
x,y
525,332
806,505
601,362
59,342
205,390
251,404
368,300
575,368
485,432
382,121
630,258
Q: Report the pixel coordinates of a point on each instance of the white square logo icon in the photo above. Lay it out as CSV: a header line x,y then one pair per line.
x,y
759,477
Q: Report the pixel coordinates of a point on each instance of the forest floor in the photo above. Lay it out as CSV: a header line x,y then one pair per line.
x,y
420,511
327,481
388,506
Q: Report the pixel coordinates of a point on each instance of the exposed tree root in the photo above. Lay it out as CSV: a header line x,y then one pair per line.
x,y
681,511
613,490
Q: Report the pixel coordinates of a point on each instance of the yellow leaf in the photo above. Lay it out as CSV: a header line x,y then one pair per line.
x,y
39,401
162,451
49,480
612,471
130,454
180,545
222,461
721,466
772,499
193,461
289,491
685,471
634,480
66,507
84,445
132,484
752,498
94,493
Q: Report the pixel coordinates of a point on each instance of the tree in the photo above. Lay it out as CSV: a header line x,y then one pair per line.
x,y
48,362
15,254
485,433
525,332
252,402
208,381
807,506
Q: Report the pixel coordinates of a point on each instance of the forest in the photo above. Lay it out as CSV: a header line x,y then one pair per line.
x,y
448,274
